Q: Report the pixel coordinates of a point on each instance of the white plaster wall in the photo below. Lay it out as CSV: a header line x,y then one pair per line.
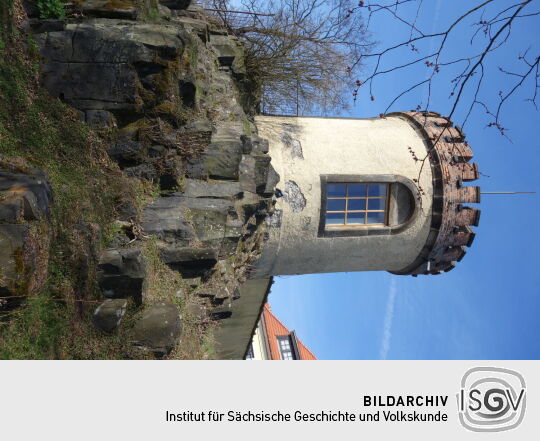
x,y
340,146
259,343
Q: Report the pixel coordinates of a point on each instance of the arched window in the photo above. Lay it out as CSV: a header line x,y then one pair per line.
x,y
365,205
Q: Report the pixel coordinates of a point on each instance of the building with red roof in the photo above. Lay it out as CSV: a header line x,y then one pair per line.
x,y
272,340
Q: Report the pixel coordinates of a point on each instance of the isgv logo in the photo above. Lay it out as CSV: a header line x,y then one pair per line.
x,y
491,399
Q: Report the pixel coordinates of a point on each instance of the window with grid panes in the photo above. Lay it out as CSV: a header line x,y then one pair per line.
x,y
285,348
356,204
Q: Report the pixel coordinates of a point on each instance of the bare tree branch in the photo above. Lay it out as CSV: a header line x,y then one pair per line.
x,y
496,30
301,54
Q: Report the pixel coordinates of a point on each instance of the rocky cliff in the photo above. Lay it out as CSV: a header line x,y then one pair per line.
x,y
131,239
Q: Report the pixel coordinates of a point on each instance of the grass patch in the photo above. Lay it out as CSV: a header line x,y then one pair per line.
x,y
148,10
165,284
51,8
89,190
33,332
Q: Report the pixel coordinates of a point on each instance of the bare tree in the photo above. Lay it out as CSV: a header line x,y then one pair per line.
x,y
299,50
488,25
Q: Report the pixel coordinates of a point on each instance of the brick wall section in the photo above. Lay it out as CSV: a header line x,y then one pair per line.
x,y
449,156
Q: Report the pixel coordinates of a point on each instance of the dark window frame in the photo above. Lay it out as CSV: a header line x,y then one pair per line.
x,y
364,229
286,338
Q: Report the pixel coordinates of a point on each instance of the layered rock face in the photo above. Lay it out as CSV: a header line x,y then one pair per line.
x,y
168,95
25,198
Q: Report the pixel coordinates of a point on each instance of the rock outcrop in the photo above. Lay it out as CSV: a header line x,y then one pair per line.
x,y
158,329
122,274
169,97
108,315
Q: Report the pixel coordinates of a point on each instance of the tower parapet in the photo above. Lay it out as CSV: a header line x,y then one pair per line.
x,y
449,155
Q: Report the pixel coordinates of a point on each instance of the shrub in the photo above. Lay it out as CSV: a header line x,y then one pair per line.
x,y
51,9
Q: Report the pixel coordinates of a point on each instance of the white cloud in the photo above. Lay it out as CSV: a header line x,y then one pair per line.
x,y
388,319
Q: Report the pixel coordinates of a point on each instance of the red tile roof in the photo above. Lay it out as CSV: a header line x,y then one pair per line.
x,y
275,328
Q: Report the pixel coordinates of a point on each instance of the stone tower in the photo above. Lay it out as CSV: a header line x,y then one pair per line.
x,y
370,194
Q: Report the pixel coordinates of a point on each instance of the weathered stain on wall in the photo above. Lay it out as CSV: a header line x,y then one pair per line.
x,y
294,197
292,144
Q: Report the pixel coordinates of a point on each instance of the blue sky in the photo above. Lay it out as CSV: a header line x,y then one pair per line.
x,y
488,307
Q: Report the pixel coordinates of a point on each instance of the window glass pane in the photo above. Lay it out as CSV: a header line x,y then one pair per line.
x,y
336,190
355,218
335,218
357,190
375,217
285,347
356,204
335,205
376,204
377,190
